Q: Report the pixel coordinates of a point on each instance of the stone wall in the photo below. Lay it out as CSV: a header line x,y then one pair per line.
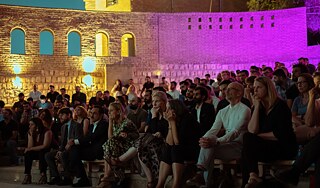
x,y
178,45
66,71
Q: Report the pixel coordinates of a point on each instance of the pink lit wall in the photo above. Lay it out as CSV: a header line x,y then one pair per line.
x,y
233,40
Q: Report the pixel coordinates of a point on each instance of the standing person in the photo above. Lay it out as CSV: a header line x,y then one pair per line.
x,y
181,143
35,94
9,136
52,95
79,96
270,135
39,141
147,85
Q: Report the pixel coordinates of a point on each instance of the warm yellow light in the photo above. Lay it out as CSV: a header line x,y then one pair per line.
x,y
87,79
16,69
17,82
157,72
88,64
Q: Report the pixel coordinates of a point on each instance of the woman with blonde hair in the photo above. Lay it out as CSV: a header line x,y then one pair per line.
x,y
118,149
150,145
270,135
81,116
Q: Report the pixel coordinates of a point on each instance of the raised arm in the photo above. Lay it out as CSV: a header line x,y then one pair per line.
x,y
311,114
253,126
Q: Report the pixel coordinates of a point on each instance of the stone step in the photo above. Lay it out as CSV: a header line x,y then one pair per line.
x,y
12,177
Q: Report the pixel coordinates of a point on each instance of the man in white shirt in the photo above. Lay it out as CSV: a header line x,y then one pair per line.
x,y
173,90
35,94
234,119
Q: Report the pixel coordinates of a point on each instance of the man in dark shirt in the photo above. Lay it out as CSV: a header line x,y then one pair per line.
x,y
136,114
9,134
18,107
97,100
203,112
52,95
147,106
79,96
189,102
147,85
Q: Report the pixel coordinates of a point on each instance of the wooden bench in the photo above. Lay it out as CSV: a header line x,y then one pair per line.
x,y
264,167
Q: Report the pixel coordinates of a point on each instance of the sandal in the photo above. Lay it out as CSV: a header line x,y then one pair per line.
x,y
27,179
43,179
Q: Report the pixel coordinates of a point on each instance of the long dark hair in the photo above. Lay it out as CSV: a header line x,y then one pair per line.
x,y
39,125
179,108
48,117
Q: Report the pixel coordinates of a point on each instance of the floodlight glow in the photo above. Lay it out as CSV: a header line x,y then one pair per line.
x,y
17,82
16,69
89,65
87,79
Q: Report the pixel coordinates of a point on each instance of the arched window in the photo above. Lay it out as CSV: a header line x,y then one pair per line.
x,y
17,37
102,44
74,44
127,45
46,43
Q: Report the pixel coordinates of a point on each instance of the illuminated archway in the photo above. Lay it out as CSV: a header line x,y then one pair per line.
x,y
102,44
128,46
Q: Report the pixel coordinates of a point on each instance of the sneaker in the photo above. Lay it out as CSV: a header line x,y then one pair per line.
x,y
197,180
288,176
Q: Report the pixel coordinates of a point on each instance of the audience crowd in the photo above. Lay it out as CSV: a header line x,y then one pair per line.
x,y
263,114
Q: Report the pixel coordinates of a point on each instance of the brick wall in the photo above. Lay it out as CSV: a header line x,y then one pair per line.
x,y
165,46
189,5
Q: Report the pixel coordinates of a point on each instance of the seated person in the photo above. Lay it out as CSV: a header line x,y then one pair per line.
x,y
69,130
88,147
270,135
39,142
150,145
300,105
181,143
234,119
118,149
9,136
309,155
